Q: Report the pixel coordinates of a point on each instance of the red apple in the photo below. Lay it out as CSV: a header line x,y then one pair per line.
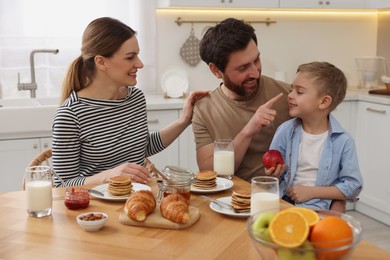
x,y
272,158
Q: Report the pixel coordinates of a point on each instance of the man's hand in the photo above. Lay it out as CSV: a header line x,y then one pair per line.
x,y
263,117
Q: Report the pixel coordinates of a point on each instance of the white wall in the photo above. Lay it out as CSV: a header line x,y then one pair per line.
x,y
296,38
384,35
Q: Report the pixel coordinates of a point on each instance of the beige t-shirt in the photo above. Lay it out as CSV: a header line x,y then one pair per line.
x,y
218,117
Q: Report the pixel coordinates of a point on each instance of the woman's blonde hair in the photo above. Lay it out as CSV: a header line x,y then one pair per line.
x,y
103,36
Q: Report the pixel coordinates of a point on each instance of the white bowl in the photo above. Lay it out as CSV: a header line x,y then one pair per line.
x,y
92,225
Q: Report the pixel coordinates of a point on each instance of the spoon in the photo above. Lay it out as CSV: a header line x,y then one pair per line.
x,y
96,192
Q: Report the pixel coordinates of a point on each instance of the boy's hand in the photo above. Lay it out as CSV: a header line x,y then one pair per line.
x,y
275,172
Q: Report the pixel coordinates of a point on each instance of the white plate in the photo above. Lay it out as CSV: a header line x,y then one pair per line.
x,y
174,82
225,210
222,184
103,188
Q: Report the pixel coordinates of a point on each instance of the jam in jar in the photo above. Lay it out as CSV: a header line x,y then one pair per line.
x,y
76,198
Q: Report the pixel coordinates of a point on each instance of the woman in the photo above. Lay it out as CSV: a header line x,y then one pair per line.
x,y
101,131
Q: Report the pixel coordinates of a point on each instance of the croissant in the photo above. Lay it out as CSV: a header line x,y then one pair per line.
x,y
175,208
140,204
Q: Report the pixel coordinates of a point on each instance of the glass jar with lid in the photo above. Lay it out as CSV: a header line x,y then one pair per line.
x,y
179,181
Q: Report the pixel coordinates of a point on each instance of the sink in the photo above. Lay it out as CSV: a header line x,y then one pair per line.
x,y
18,102
29,102
21,115
49,101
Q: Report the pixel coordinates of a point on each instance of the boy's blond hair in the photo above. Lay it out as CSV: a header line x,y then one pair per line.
x,y
330,80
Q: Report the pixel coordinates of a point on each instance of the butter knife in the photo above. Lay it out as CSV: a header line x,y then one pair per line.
x,y
220,203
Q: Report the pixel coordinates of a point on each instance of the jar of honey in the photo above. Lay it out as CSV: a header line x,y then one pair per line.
x,y
76,198
179,181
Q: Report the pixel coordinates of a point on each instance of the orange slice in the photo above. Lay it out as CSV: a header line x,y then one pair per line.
x,y
289,228
311,216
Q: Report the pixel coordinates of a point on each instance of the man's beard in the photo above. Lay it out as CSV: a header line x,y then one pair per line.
x,y
240,90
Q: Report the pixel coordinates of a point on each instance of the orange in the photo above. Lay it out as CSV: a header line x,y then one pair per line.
x,y
311,216
331,232
289,228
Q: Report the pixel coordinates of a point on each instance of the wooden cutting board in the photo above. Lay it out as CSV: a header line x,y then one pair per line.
x,y
156,220
380,91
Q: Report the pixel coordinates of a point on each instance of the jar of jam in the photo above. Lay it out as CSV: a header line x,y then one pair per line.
x,y
180,181
76,198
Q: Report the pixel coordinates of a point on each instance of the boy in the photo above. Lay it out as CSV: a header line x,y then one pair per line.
x,y
321,159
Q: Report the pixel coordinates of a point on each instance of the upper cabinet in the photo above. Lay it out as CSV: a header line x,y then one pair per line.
x,y
219,3
326,4
301,4
376,4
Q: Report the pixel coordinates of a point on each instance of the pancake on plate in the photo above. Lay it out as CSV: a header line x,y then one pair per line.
x,y
119,186
241,200
205,180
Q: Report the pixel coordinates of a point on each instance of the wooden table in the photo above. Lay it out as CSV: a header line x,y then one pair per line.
x,y
214,236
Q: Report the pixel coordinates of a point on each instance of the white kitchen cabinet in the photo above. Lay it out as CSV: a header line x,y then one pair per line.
x,y
187,150
158,119
325,4
343,114
219,3
15,155
182,151
373,142
376,4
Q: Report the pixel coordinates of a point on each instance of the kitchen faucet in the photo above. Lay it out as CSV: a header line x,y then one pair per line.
x,y
32,86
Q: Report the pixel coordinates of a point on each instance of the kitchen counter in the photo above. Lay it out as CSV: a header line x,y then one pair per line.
x,y
354,94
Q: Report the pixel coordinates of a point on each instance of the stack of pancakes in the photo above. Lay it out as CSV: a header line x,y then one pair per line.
x,y
119,186
205,180
241,200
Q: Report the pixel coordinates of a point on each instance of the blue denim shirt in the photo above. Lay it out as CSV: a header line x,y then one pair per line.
x,y
338,164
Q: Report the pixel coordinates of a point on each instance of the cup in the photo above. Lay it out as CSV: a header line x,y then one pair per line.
x,y
264,194
224,158
39,191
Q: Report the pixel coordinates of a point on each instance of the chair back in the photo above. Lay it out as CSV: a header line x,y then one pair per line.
x,y
43,158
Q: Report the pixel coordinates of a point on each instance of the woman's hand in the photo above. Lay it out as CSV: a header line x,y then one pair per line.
x,y
136,172
189,105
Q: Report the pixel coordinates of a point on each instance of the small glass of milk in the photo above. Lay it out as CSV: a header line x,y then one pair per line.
x,y
264,194
39,191
224,158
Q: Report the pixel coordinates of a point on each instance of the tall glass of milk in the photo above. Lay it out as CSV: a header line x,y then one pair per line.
x,y
224,158
264,194
39,191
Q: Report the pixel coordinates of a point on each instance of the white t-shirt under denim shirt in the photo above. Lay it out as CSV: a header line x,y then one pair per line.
x,y
338,164
310,151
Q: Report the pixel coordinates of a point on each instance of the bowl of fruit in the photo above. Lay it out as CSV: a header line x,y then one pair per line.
x,y
301,233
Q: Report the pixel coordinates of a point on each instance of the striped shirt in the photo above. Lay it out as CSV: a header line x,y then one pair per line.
x,y
90,136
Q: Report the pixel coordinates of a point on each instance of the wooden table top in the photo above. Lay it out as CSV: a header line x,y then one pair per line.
x,y
214,236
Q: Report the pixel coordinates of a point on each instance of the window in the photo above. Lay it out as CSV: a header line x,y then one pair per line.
x,y
58,24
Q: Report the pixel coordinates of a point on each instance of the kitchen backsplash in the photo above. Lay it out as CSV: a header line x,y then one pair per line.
x,y
295,38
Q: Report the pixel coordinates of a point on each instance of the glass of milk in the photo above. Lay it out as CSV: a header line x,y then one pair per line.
x,y
224,158
39,191
264,194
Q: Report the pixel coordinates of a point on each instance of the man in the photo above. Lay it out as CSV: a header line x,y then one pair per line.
x,y
247,106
